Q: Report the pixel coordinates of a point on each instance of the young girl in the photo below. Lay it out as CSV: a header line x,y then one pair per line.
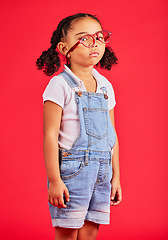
x,y
81,149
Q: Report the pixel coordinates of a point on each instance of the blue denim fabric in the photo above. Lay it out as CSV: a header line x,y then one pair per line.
x,y
86,169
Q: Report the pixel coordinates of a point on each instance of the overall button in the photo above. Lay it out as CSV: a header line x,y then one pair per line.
x,y
65,154
105,96
79,93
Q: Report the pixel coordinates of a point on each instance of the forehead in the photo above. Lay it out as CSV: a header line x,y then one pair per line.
x,y
86,25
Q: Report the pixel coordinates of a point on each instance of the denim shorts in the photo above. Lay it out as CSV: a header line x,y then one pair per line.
x,y
87,175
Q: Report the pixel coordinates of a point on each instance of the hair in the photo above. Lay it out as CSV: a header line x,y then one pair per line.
x,y
49,60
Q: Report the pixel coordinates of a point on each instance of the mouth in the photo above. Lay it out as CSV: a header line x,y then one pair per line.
x,y
94,54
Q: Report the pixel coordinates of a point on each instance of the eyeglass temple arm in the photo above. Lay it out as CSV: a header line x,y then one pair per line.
x,y
107,36
72,48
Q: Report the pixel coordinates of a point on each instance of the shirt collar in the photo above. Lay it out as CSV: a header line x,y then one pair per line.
x,y
95,74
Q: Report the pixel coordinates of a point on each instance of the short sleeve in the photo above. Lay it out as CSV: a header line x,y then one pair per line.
x,y
54,91
111,96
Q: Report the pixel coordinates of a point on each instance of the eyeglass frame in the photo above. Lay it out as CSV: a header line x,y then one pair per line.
x,y
94,40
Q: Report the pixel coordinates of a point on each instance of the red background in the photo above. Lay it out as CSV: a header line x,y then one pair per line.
x,y
140,82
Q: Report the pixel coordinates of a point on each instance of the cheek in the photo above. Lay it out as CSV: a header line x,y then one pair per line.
x,y
102,52
103,49
81,51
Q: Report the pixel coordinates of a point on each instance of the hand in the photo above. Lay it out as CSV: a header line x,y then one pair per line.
x,y
55,194
116,192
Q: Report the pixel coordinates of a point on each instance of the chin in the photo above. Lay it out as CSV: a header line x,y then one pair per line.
x,y
94,61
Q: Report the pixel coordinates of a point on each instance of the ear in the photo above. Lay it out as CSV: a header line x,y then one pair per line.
x,y
62,47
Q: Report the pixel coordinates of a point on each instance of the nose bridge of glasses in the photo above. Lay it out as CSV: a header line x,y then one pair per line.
x,y
95,38
96,35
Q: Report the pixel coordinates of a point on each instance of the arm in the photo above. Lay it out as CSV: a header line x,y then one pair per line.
x,y
116,193
51,124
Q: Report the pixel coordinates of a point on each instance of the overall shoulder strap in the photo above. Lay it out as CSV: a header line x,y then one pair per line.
x,y
71,82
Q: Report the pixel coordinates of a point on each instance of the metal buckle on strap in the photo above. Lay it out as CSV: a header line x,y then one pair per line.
x,y
86,157
104,92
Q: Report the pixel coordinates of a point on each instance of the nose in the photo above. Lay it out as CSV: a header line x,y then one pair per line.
x,y
96,40
95,45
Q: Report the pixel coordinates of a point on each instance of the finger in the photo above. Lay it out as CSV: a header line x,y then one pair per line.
x,y
61,203
51,200
55,203
111,202
113,193
119,195
118,198
66,192
116,203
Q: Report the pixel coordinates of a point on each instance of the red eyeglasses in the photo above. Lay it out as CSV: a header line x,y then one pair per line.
x,y
89,40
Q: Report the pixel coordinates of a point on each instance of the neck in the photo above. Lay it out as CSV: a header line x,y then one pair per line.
x,y
83,73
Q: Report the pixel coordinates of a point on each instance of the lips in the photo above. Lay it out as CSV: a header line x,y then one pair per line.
x,y
94,54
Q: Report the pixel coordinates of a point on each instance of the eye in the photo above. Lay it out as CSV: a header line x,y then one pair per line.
x,y
100,37
84,38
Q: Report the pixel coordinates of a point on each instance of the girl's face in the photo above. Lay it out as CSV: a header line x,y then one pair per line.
x,y
81,55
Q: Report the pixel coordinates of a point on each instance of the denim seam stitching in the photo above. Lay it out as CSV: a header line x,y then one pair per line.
x,y
74,174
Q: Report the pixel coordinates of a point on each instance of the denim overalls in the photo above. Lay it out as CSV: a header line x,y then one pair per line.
x,y
86,168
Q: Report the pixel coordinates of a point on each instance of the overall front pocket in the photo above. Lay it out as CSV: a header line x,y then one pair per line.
x,y
71,168
96,122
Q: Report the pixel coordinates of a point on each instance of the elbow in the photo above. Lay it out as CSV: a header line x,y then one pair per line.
x,y
50,135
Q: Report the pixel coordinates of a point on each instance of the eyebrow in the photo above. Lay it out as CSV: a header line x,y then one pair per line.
x,y
84,33
81,33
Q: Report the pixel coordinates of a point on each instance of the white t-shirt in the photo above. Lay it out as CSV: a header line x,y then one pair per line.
x,y
59,91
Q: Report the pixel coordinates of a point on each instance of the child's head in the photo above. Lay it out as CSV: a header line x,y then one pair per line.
x,y
66,39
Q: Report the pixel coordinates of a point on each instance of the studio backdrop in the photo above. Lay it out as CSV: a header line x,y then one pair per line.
x,y
139,40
